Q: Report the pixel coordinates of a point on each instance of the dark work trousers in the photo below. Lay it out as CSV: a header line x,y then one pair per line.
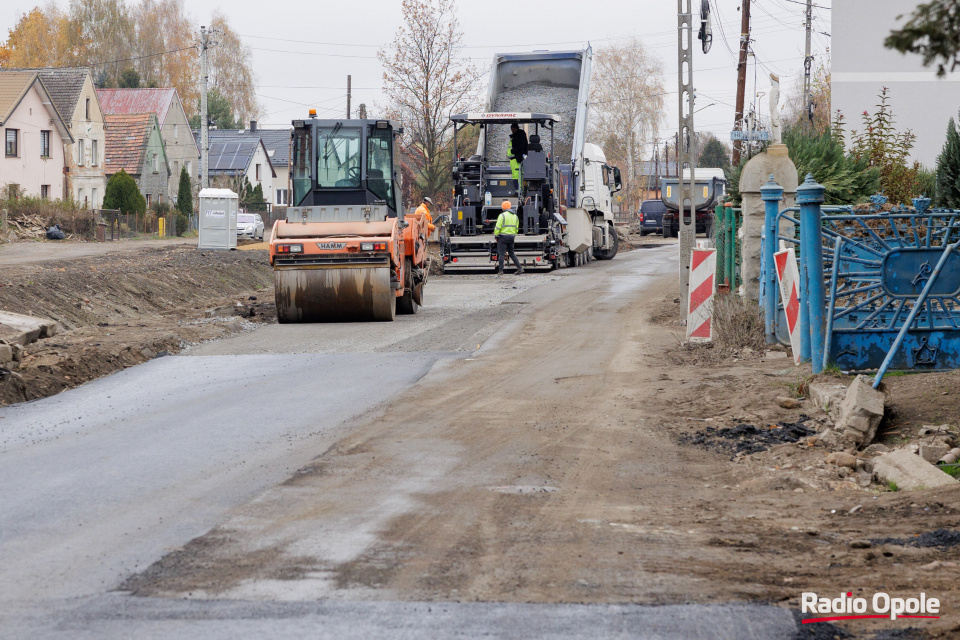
x,y
505,245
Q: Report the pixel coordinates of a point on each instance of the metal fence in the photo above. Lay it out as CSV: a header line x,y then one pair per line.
x,y
113,225
726,236
878,289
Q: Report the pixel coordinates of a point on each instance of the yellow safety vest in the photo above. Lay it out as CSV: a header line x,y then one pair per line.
x,y
507,224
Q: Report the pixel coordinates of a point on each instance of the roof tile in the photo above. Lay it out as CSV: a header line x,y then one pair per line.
x,y
126,139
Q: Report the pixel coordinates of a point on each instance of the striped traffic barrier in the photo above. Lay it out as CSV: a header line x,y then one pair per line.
x,y
788,275
703,284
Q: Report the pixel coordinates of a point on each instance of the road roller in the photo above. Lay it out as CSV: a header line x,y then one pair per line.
x,y
345,250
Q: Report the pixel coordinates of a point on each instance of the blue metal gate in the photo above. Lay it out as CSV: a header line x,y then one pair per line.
x,y
892,286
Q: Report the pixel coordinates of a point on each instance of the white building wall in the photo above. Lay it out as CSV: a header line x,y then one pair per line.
x,y
862,66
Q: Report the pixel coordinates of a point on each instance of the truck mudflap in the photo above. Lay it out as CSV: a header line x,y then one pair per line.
x,y
479,253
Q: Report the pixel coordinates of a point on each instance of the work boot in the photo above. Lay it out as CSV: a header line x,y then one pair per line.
x,y
520,271
499,272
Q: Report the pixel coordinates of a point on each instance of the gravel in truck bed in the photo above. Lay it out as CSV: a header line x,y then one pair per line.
x,y
535,99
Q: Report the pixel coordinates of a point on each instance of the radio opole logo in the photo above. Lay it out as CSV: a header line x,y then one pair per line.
x,y
882,605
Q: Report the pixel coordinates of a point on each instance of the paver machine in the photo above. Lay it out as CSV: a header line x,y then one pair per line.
x,y
345,250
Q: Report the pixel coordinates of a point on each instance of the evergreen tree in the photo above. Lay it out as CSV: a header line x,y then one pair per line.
x,y
947,190
122,193
714,154
185,193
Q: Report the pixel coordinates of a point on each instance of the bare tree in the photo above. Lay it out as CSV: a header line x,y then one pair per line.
x,y
425,82
628,99
162,25
108,30
231,70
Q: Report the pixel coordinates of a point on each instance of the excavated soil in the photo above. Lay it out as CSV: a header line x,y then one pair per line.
x,y
120,309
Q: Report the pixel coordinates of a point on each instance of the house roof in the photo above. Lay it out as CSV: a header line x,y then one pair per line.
x,y
137,101
277,142
126,140
14,85
232,150
64,86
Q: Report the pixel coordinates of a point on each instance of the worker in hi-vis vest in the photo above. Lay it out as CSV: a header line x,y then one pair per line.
x,y
508,224
517,151
424,210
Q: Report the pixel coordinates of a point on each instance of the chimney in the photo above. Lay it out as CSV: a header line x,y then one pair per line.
x,y
253,125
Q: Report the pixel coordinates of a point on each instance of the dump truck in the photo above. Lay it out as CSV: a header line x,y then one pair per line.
x,y
709,189
565,196
344,252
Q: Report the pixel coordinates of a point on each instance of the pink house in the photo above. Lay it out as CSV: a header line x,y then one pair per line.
x,y
34,134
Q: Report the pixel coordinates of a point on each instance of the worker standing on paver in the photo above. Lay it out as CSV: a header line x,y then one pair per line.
x,y
518,150
506,232
424,210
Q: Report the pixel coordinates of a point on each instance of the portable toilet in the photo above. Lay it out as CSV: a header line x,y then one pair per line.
x,y
218,219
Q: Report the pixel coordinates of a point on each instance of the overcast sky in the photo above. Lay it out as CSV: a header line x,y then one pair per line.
x,y
303,51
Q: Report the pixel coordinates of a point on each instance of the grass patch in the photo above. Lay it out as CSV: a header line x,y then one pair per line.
x,y
737,324
893,486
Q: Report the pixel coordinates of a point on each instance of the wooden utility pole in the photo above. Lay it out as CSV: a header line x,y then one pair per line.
x,y
204,115
807,64
348,97
741,76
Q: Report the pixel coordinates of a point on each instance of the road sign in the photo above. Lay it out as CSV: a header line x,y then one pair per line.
x,y
750,136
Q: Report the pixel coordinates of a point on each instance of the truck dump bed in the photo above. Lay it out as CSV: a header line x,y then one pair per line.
x,y
542,82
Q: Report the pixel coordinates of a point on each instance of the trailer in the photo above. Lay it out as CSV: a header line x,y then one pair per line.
x,y
708,192
564,198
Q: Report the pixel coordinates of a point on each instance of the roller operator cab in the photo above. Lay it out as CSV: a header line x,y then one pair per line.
x,y
342,253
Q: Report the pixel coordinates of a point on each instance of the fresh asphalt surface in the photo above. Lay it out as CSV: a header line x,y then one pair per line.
x,y
101,481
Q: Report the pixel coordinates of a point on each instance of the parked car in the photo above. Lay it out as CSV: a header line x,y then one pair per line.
x,y
651,216
250,225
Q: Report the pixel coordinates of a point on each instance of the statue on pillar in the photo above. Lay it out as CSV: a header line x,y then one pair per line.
x,y
775,130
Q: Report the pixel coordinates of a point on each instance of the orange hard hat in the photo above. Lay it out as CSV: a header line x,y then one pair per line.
x,y
505,205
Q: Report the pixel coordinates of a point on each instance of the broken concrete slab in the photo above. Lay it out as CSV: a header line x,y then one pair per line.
x,y
860,412
933,452
909,471
827,397
24,330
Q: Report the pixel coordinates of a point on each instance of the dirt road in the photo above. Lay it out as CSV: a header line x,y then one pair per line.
x,y
571,459
23,253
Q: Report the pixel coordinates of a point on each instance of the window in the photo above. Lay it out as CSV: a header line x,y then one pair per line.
x,y
45,191
87,108
281,196
188,164
156,163
149,200
93,198
258,172
338,157
176,169
176,132
44,144
94,153
80,196
81,151
13,143
380,165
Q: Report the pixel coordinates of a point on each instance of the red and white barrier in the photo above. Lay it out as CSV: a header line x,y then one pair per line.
x,y
703,284
788,275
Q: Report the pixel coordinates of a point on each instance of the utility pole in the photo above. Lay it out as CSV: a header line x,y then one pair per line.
x,y
807,64
348,97
685,136
204,116
741,76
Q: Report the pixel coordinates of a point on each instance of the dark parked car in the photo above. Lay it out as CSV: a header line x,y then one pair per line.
x,y
651,216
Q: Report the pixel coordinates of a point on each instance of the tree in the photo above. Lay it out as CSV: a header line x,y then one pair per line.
x,y
220,111
794,110
627,96
714,154
424,82
42,38
163,25
931,32
847,179
129,79
947,189
108,31
185,193
122,193
882,146
231,70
